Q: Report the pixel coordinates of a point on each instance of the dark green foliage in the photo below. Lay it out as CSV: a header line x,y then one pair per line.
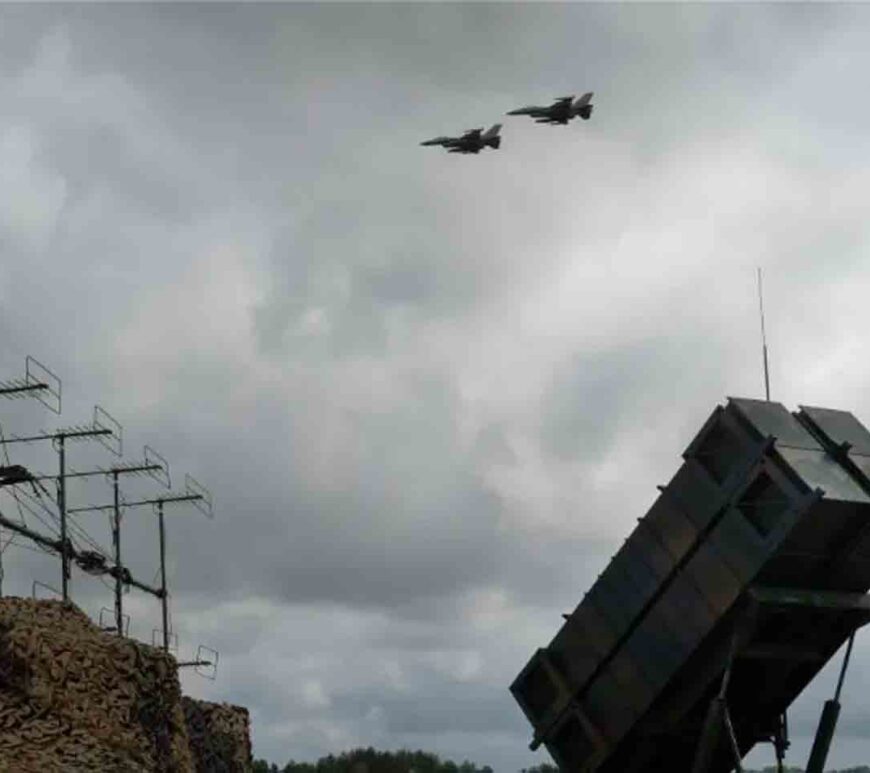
x,y
372,761
404,761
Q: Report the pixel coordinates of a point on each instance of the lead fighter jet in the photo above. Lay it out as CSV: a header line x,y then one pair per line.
x,y
473,141
561,111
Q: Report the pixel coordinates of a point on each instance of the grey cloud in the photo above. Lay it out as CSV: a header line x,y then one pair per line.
x,y
98,158
492,445
578,419
308,118
465,708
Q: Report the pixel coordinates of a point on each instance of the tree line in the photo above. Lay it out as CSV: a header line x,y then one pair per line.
x,y
404,761
372,761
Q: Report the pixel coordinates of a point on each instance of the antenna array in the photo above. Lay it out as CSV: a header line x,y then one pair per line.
x,y
53,512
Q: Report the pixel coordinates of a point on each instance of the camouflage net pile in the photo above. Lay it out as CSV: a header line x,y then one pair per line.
x,y
220,736
75,698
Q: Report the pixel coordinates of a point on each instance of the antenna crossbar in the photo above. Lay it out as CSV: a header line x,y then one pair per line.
x,y
38,382
18,388
119,470
72,433
140,503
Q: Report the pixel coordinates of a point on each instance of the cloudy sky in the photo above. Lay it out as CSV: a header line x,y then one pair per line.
x,y
430,393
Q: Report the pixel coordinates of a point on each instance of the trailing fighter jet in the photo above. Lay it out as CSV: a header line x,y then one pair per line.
x,y
473,141
561,111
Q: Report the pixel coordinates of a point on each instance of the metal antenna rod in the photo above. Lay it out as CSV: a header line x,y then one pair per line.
x,y
97,429
196,494
116,539
163,595
763,340
61,506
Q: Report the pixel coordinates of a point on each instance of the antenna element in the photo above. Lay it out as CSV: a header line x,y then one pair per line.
x,y
763,340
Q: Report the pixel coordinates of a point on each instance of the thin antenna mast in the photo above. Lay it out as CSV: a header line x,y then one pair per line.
x,y
763,340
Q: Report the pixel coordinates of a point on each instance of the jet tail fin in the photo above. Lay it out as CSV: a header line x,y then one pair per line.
x,y
491,137
583,101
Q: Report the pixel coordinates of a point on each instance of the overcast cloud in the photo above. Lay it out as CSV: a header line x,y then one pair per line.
x,y
430,393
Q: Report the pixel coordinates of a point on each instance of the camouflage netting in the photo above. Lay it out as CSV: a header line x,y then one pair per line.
x,y
220,736
75,698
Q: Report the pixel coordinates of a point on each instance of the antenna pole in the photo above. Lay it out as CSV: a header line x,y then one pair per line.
x,y
164,601
61,506
116,538
763,340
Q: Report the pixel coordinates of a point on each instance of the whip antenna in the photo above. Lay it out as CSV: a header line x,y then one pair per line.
x,y
763,340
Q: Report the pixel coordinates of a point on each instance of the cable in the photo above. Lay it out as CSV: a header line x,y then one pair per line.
x,y
35,514
38,549
84,535
9,462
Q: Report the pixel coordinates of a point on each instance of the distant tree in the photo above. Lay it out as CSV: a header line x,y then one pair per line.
x,y
405,761
372,761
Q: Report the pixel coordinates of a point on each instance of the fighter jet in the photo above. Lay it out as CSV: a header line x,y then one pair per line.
x,y
473,141
561,111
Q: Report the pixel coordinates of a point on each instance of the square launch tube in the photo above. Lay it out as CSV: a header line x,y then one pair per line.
x,y
761,538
